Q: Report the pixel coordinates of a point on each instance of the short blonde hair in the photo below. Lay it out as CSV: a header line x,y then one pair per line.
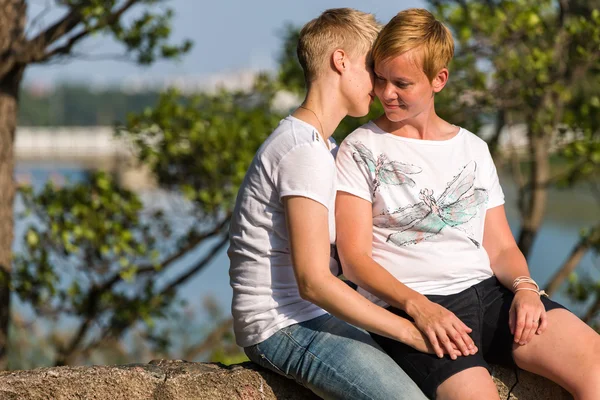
x,y
338,28
416,28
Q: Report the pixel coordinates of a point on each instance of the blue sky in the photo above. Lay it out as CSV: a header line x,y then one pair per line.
x,y
228,36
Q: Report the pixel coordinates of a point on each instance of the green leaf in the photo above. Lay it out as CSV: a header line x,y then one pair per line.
x,y
32,238
128,274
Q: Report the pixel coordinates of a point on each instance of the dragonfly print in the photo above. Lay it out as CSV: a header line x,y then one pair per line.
x,y
383,171
456,206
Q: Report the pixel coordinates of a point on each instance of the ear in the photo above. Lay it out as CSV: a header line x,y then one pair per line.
x,y
339,60
440,80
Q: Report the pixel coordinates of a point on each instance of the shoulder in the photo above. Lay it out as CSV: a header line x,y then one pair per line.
x,y
295,132
362,133
474,140
480,152
291,134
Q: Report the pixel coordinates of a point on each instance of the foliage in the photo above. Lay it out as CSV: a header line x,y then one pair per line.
x,y
203,145
585,290
90,253
290,74
95,254
185,332
145,36
534,62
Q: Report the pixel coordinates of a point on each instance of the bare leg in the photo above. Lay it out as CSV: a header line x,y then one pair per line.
x,y
471,384
568,353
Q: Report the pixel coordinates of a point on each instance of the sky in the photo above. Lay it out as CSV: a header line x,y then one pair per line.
x,y
229,37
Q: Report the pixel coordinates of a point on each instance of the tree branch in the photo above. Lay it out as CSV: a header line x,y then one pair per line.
x,y
563,11
65,353
94,295
210,341
592,311
570,176
37,47
38,18
185,276
102,57
573,260
595,189
110,332
169,261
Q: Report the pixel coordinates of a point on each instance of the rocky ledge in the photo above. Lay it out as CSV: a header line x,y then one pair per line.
x,y
179,380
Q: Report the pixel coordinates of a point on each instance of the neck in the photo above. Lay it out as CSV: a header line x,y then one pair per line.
x,y
427,125
323,100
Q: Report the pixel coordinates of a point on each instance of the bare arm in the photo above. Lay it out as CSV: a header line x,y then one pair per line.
x,y
308,230
354,240
508,263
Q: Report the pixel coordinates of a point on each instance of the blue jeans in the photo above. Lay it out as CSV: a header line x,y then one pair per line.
x,y
335,360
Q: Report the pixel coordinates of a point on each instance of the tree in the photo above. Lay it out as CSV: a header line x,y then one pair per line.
x,y
145,39
123,258
99,259
534,55
540,62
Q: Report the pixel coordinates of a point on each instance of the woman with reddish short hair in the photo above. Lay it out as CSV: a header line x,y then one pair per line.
x,y
422,231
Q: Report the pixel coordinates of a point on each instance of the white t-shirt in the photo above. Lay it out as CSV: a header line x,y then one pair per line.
x,y
429,200
293,161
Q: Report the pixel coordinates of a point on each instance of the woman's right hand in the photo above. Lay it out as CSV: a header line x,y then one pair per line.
x,y
418,341
444,330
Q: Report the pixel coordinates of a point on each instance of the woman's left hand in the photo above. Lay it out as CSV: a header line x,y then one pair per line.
x,y
527,316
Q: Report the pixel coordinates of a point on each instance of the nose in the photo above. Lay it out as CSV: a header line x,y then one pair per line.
x,y
388,92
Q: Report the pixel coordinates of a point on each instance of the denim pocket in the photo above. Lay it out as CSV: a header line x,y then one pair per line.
x,y
260,358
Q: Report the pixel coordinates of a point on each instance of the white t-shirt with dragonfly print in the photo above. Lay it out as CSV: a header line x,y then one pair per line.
x,y
429,199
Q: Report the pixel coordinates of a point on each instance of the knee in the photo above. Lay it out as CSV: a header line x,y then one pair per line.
x,y
470,384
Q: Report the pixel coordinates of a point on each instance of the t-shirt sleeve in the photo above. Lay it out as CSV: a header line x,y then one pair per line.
x,y
308,170
353,175
496,195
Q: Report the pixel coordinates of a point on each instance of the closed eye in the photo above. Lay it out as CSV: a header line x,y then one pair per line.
x,y
398,84
401,85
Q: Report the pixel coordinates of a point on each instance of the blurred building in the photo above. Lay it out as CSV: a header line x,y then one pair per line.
x,y
87,147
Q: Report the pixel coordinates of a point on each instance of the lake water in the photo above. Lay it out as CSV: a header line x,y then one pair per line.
x,y
568,212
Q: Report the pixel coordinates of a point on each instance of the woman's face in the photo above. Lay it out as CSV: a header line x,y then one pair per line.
x,y
358,87
403,88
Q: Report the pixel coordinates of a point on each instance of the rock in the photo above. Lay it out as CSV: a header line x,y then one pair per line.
x,y
529,387
179,380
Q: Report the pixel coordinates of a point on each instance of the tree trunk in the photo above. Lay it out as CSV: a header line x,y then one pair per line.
x,y
533,214
9,87
494,142
12,21
591,313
